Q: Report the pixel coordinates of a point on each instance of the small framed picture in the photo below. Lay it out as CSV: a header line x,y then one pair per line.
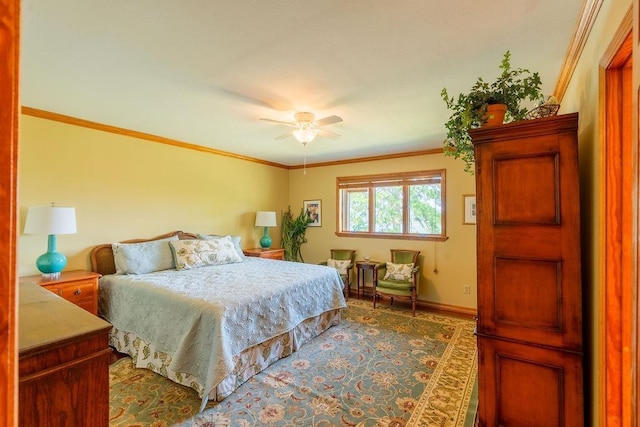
x,y
469,203
313,209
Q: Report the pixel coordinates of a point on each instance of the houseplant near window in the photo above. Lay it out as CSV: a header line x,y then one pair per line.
x,y
293,234
511,88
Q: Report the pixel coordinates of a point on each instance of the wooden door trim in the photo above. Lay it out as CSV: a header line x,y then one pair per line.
x,y
635,133
9,74
615,331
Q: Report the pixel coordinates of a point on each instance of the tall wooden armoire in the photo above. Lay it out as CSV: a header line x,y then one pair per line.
x,y
529,280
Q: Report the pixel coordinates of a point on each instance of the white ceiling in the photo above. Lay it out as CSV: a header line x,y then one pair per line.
x,y
203,71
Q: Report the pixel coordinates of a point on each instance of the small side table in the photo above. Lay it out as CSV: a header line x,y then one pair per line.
x,y
361,266
77,286
272,253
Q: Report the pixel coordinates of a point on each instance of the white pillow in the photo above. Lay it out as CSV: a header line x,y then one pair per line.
x,y
235,239
398,271
199,253
340,265
144,257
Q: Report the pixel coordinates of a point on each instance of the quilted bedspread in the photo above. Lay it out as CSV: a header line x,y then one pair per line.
x,y
204,316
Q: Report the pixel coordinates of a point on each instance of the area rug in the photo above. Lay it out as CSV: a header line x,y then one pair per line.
x,y
378,367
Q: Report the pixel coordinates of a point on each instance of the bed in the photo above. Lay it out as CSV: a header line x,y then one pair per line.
x,y
210,327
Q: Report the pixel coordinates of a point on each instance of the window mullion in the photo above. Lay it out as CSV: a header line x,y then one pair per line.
x,y
371,210
405,208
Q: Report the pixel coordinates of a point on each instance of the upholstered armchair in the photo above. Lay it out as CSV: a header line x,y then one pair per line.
x,y
398,278
343,261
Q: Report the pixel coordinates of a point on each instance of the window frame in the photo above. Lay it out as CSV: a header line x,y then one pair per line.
x,y
405,179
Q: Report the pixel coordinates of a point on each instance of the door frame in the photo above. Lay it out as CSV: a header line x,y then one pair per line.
x,y
619,238
9,74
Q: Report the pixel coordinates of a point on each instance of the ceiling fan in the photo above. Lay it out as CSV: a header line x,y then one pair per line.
x,y
306,128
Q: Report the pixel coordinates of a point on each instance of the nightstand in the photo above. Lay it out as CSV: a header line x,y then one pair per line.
x,y
272,253
78,286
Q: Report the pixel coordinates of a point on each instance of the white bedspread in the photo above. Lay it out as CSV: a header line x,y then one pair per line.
x,y
204,316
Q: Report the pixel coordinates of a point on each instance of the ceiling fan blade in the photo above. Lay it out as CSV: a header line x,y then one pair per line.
x,y
328,134
278,121
328,120
284,135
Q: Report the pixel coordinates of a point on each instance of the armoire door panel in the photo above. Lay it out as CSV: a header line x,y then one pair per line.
x,y
520,280
532,300
526,386
526,189
544,387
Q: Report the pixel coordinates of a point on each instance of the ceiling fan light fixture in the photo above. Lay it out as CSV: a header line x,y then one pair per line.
x,y
306,127
305,134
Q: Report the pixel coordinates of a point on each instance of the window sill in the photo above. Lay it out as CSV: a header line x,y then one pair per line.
x,y
392,236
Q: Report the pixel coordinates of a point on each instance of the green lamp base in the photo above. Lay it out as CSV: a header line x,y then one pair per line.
x,y
51,263
265,240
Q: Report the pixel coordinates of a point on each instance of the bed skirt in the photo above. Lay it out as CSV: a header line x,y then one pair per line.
x,y
246,364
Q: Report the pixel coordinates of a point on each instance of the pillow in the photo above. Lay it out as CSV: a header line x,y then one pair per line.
x,y
199,253
143,257
235,239
340,265
398,271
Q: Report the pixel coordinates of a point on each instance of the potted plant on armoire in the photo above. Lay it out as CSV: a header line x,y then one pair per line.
x,y
488,104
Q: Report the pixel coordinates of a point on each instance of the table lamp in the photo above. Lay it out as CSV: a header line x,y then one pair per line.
x,y
51,220
266,220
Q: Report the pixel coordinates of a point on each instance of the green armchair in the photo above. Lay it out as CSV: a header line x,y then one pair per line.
x,y
399,279
338,260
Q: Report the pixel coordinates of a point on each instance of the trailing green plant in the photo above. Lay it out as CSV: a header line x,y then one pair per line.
x,y
512,87
293,234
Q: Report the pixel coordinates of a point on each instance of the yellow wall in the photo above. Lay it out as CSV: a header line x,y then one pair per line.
x,y
125,188
582,96
455,259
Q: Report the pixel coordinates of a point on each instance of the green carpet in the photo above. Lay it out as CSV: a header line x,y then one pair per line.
x,y
377,368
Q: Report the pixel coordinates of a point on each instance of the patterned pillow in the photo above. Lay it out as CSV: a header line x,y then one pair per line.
x,y
144,257
398,271
340,265
235,239
198,253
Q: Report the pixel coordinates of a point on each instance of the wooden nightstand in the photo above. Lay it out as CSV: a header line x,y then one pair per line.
x,y
272,253
78,286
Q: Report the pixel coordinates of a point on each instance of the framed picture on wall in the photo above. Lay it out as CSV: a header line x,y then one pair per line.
x,y
469,203
313,209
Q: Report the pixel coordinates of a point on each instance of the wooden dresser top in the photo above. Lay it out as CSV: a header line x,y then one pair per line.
x,y
46,319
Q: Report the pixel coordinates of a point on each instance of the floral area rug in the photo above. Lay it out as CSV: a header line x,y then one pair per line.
x,y
378,367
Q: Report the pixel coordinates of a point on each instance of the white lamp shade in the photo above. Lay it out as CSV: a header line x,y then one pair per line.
x,y
265,219
50,220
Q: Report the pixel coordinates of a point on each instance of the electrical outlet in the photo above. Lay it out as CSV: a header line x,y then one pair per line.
x,y
467,289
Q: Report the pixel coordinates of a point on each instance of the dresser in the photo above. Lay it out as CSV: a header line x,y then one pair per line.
x,y
271,253
77,286
530,333
63,362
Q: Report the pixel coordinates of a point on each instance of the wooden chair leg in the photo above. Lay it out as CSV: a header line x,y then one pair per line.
x,y
413,303
374,296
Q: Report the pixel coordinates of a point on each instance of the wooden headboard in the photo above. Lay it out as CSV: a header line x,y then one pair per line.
x,y
102,255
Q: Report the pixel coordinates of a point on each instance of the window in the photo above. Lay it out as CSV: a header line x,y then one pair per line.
x,y
407,205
